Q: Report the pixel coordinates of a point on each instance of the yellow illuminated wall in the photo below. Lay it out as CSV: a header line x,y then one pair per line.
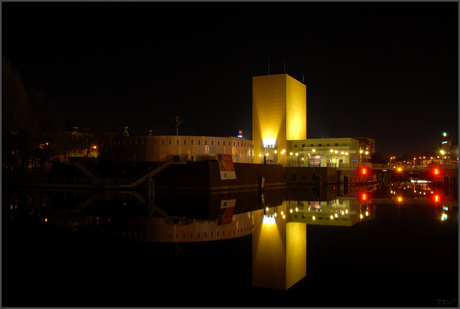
x,y
279,252
279,110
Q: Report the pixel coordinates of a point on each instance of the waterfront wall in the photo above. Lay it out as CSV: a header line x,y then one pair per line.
x,y
205,175
304,175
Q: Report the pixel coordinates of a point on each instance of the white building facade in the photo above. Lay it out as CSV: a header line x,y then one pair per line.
x,y
156,148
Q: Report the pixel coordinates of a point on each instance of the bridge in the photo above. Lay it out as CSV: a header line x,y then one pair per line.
x,y
391,167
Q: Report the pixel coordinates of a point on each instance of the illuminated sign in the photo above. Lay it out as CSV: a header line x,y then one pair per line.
x,y
226,168
314,160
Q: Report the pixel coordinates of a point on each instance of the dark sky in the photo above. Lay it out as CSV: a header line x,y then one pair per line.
x,y
387,71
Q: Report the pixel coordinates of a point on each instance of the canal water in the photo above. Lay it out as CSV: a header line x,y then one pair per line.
x,y
294,246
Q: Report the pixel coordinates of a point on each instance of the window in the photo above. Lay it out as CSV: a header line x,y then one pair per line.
x,y
185,142
191,142
205,142
303,145
295,146
199,142
162,142
294,177
337,144
177,142
311,145
169,142
320,144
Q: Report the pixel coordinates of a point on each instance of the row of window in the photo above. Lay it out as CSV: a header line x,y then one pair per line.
x,y
205,234
320,145
236,144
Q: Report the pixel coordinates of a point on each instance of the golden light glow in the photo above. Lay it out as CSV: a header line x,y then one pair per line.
x,y
313,218
400,199
279,109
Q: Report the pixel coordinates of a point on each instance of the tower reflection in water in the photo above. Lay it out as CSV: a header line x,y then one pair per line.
x,y
277,220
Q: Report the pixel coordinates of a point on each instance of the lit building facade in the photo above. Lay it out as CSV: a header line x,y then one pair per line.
x,y
366,147
279,114
156,148
323,152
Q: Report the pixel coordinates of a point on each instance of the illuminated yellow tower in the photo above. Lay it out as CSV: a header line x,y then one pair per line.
x,y
279,114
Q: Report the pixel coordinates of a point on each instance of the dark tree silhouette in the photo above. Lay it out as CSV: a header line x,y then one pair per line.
x,y
19,132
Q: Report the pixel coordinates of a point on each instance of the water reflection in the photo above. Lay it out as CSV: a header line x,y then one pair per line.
x,y
277,220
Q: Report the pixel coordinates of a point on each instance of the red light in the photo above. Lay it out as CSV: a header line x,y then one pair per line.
x,y
437,198
436,171
363,197
364,171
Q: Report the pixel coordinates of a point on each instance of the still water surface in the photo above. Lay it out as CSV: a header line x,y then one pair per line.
x,y
335,248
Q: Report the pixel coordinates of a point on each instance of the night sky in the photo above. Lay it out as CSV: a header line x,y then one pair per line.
x,y
387,71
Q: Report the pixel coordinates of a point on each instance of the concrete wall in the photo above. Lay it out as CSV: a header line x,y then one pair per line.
x,y
205,175
304,175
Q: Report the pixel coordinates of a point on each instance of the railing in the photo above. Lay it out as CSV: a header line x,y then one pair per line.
x,y
56,181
